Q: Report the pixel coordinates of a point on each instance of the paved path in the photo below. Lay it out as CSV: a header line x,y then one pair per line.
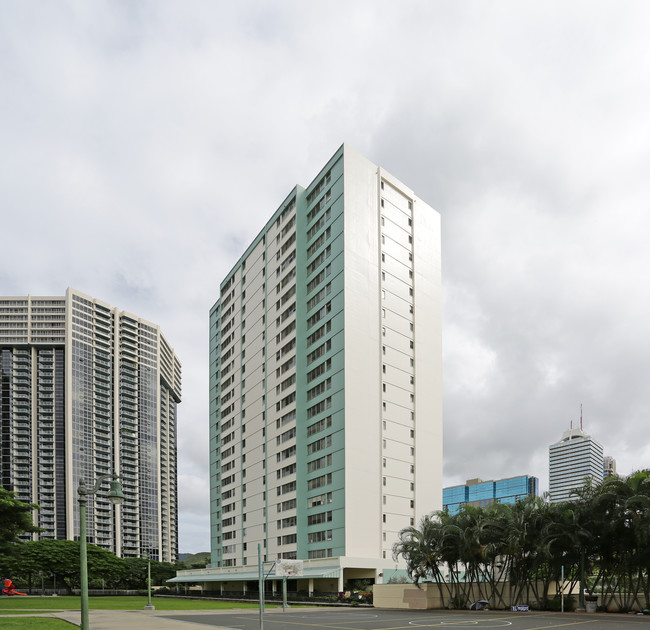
x,y
344,619
132,619
378,619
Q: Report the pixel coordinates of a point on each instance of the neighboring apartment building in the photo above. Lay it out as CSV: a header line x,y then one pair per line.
x,y
325,377
609,466
572,460
479,493
85,390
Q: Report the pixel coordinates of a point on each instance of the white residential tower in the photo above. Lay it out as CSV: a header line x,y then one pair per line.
x,y
325,378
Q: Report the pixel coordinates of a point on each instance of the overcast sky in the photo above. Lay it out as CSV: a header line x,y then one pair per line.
x,y
144,143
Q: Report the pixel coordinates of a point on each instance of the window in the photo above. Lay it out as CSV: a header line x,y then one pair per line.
x,y
321,499
321,425
321,536
320,517
319,389
319,463
319,482
319,553
319,444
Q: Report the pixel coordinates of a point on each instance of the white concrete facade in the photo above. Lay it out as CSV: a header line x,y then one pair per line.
x,y
326,376
574,459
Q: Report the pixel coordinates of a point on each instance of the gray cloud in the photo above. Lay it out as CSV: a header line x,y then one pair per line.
x,y
143,145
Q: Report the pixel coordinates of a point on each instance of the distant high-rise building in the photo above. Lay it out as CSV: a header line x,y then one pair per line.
x,y
325,376
87,390
479,493
609,466
574,459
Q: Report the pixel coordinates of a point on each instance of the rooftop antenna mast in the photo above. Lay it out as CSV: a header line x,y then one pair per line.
x,y
581,416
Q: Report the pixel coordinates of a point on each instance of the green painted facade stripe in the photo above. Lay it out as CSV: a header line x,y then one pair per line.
x,y
336,278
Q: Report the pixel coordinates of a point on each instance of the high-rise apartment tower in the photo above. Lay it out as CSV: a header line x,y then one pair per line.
x,y
325,375
572,460
86,390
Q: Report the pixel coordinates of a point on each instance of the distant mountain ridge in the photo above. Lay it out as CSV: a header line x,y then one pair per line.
x,y
194,560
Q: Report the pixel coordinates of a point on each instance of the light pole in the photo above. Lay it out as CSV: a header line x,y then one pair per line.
x,y
149,605
116,497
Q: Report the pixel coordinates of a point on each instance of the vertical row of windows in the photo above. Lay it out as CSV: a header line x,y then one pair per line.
x,y
319,376
398,345
286,354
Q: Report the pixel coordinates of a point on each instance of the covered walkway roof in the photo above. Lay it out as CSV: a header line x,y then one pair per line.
x,y
246,576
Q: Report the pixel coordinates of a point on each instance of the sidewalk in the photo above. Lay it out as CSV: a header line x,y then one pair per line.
x,y
131,619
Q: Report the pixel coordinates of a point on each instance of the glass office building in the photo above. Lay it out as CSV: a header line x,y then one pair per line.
x,y
479,493
86,390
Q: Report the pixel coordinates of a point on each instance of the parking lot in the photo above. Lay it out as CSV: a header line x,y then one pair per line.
x,y
375,619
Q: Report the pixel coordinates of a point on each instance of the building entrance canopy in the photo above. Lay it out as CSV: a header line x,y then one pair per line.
x,y
246,576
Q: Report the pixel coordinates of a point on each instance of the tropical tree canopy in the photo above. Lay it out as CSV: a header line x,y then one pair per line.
x,y
15,519
61,558
523,549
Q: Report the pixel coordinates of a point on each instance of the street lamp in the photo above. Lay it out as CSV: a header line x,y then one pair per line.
x,y
149,605
116,497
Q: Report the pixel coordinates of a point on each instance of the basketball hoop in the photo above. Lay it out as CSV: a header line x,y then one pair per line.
x,y
289,568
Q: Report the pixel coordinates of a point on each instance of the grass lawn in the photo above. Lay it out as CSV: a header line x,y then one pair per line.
x,y
34,623
9,604
21,612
